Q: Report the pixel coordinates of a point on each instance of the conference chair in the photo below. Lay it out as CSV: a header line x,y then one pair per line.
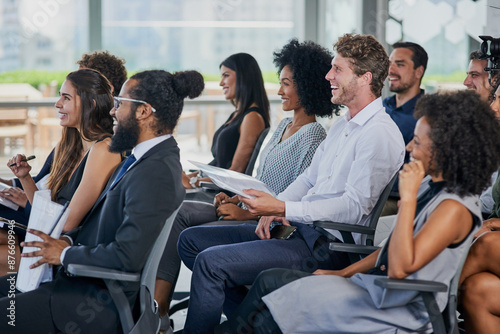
x,y
149,319
356,252
442,322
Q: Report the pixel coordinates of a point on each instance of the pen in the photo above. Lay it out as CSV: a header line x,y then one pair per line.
x,y
31,157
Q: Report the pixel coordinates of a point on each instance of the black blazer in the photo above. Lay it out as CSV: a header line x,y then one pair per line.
x,y
118,233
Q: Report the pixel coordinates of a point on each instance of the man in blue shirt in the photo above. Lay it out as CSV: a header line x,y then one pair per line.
x,y
408,62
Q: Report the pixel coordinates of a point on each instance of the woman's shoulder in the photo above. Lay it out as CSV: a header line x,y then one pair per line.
x,y
313,130
101,149
470,202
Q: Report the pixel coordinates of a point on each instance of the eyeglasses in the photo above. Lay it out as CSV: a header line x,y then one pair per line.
x,y
118,100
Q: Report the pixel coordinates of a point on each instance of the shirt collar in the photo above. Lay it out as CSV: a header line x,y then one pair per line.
x,y
366,113
140,149
409,106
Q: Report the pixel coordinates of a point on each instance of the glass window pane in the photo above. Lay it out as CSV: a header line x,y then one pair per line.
x,y
199,34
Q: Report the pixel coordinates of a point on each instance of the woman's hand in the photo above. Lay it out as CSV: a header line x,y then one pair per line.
x,y
410,178
15,195
231,211
489,225
329,272
223,198
21,168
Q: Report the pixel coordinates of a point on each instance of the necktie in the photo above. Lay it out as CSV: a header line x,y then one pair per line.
x,y
130,160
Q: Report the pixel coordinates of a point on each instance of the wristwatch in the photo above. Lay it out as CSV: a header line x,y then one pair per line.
x,y
192,181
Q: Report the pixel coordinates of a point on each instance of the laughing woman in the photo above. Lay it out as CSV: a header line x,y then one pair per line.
x,y
456,142
82,162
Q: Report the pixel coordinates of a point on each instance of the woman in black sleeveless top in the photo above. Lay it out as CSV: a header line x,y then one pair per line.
x,y
234,141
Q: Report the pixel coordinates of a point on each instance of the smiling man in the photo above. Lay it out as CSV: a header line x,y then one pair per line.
x,y
119,231
348,172
477,77
408,62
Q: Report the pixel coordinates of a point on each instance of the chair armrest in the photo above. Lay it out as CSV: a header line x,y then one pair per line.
x,y
103,273
350,248
345,227
408,284
209,186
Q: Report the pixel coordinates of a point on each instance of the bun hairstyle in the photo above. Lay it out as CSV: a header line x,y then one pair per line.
x,y
188,84
166,92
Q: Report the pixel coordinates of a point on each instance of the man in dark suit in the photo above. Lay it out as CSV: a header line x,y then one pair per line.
x,y
120,230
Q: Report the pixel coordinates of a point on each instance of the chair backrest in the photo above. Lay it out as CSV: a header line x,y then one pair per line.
x,y
449,314
256,150
149,320
377,209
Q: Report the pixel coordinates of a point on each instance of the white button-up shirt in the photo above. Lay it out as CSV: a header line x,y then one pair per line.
x,y
349,170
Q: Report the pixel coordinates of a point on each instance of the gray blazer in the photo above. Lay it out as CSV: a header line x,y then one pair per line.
x,y
118,233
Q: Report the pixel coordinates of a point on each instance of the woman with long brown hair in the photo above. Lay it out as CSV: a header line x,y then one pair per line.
x,y
82,163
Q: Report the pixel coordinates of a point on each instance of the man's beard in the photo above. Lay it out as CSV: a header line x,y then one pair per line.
x,y
126,135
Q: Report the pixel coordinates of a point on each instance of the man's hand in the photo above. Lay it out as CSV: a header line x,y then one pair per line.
x,y
262,229
263,204
50,249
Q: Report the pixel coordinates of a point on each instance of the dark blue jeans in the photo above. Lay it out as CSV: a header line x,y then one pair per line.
x,y
225,258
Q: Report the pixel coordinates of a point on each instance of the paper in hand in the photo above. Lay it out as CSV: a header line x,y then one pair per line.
x,y
43,217
5,201
232,181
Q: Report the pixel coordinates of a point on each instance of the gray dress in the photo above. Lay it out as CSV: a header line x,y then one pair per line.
x,y
333,304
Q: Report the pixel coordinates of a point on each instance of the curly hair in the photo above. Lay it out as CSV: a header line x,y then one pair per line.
x,y
465,139
367,55
309,63
112,67
166,92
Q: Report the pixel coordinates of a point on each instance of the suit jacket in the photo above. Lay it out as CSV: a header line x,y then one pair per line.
x,y
118,233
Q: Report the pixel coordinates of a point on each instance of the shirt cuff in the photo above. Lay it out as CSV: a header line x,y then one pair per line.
x,y
14,183
63,254
293,211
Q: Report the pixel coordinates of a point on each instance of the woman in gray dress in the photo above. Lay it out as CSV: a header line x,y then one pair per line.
x,y
457,142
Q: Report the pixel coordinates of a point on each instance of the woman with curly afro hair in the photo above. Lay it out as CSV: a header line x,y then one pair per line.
x,y
303,90
457,143
480,279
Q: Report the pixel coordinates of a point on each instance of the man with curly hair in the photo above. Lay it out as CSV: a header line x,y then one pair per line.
x,y
112,67
351,167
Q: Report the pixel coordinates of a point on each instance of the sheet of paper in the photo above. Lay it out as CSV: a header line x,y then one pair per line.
x,y
232,181
5,201
43,217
